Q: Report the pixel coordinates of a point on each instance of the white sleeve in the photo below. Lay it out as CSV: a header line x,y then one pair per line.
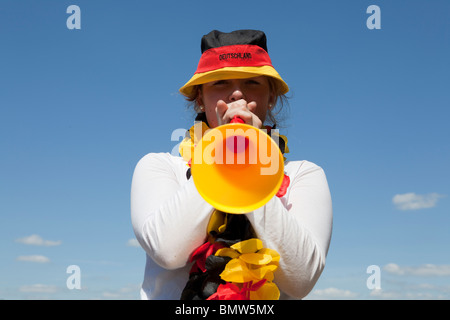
x,y
169,218
298,226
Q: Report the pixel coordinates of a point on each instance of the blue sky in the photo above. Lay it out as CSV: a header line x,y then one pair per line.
x,y
79,108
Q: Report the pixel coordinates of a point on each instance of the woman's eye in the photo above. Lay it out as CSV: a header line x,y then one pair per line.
x,y
252,82
220,82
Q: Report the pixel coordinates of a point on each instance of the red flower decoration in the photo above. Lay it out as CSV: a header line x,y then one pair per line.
x,y
284,185
230,291
203,252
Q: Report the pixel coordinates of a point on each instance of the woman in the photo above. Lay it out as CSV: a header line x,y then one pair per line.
x,y
176,226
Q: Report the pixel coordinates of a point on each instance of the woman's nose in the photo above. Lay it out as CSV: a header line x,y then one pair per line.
x,y
236,95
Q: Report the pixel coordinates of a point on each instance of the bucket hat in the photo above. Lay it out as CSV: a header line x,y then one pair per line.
x,y
238,54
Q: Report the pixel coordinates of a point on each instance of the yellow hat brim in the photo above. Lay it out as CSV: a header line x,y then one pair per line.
x,y
233,73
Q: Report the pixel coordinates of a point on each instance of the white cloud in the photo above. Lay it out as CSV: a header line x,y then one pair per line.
x,y
404,294
383,294
413,201
425,270
412,291
332,293
38,288
36,240
33,258
133,243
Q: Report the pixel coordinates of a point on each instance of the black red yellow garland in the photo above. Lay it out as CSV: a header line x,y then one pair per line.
x,y
232,264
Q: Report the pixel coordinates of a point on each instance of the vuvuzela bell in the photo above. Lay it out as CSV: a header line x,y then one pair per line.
x,y
237,168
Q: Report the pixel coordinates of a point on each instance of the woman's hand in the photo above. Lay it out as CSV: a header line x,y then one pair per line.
x,y
240,108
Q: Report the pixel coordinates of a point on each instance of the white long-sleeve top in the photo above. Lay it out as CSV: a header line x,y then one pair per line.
x,y
170,219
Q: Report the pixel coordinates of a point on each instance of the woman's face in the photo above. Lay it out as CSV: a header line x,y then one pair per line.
x,y
248,99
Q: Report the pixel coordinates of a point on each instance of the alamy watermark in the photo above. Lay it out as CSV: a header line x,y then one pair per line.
x,y
374,280
374,21
74,20
232,146
74,280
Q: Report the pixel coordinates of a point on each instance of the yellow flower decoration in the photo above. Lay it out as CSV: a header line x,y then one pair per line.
x,y
277,136
258,259
227,252
269,291
248,246
188,144
217,222
251,263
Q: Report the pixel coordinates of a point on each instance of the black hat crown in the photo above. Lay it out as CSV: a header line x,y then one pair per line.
x,y
216,39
